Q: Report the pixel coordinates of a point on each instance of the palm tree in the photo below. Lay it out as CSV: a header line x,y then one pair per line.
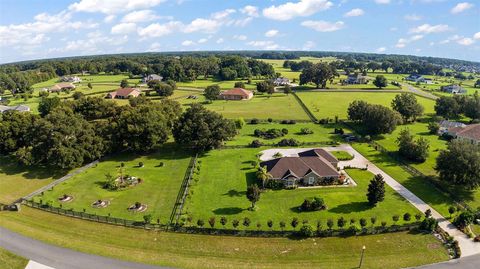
x,y
263,175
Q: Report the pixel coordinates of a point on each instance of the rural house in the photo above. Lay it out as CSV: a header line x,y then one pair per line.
x,y
73,79
470,133
151,77
124,93
310,168
453,89
236,94
446,125
21,108
415,78
281,81
62,87
356,79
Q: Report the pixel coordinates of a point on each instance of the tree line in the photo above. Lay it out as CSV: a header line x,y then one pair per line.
x,y
70,133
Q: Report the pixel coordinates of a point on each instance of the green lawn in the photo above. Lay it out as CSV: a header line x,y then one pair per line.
x,y
331,104
225,174
17,181
203,83
393,250
419,186
9,260
278,107
158,190
342,155
321,133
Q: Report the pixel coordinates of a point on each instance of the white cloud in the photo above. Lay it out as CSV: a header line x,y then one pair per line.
x,y
289,10
309,45
466,41
202,25
18,34
156,46
412,17
109,18
220,41
354,13
402,42
240,37
271,33
202,40
324,26
428,29
461,7
124,28
188,43
158,30
451,38
112,6
381,49
140,16
251,11
477,35
383,2
266,45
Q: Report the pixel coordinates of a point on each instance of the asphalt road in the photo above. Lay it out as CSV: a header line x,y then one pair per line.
x,y
60,258
470,262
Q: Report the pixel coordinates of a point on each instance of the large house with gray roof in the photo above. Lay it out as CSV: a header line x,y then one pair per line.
x,y
310,168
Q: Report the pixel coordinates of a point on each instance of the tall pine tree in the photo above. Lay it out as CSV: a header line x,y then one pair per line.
x,y
376,190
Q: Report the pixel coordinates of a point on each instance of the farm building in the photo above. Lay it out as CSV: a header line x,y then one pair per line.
x,y
446,125
236,94
73,79
415,78
356,79
281,81
124,93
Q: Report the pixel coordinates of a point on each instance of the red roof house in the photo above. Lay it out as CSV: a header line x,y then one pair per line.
x,y
124,93
236,94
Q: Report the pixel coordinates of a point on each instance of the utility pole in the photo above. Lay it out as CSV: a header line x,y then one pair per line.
x,y
361,258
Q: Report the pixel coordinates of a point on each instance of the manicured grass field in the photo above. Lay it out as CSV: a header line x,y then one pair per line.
x,y
419,186
203,83
394,250
17,181
321,133
331,104
158,190
342,155
278,107
225,175
9,260
418,129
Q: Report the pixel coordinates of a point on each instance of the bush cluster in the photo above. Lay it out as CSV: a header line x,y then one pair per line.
x,y
288,143
316,204
270,133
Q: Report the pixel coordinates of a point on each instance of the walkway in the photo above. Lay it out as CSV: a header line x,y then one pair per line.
x,y
467,246
60,258
470,262
58,181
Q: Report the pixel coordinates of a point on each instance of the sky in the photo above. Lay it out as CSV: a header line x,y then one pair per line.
x,y
37,29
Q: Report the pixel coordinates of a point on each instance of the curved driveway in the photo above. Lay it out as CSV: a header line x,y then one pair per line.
x,y
60,258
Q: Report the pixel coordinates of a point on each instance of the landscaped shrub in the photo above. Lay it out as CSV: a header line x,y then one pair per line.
x,y
235,223
352,230
284,131
339,131
288,122
294,223
254,121
270,133
306,231
429,224
407,216
147,218
288,143
256,143
464,219
315,204
306,131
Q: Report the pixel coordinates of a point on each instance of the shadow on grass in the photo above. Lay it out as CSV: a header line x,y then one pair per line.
x,y
9,167
235,193
228,211
351,207
251,178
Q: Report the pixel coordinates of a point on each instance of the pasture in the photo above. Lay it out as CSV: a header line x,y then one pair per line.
x,y
158,189
331,104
